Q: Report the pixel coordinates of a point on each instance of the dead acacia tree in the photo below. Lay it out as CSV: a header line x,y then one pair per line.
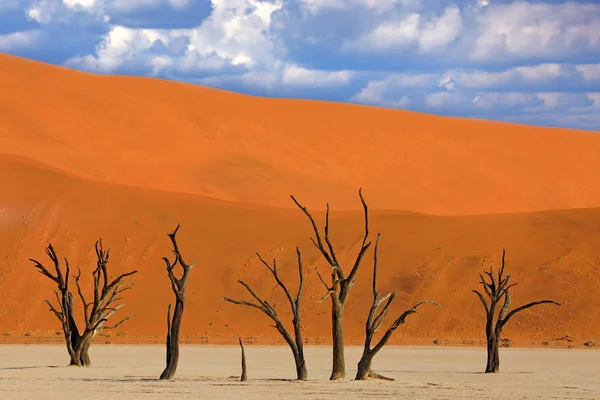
x,y
174,323
244,376
374,321
295,343
340,283
497,289
96,313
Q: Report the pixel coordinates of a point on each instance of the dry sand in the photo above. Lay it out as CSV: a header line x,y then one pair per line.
x,y
130,372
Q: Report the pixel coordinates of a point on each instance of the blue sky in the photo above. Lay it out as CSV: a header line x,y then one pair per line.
x,y
525,61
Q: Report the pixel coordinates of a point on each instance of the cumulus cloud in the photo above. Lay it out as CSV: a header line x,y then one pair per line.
x,y
295,75
413,29
487,32
379,6
501,95
19,40
236,33
533,30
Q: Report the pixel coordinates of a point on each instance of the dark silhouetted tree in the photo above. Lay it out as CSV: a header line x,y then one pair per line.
x,y
96,312
340,285
374,321
497,290
174,323
295,342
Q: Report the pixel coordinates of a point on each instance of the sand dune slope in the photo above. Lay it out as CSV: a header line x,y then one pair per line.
x,y
185,138
552,254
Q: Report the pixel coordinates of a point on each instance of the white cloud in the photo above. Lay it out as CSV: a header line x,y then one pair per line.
x,y
533,30
120,45
19,40
535,76
391,34
46,12
492,100
379,6
439,32
443,99
236,33
294,75
483,31
590,72
479,5
411,29
85,4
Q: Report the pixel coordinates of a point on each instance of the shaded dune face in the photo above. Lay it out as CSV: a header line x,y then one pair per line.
x,y
85,156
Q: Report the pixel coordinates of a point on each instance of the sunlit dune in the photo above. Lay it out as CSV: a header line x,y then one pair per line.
x,y
184,138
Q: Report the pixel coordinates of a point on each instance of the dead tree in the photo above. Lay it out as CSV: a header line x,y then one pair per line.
x,y
96,313
496,290
374,321
295,343
244,376
174,323
340,283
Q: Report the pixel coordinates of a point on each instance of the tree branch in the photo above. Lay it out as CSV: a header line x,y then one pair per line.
x,y
526,306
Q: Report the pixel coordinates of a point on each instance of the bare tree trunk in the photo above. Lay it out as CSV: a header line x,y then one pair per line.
x,y
338,370
497,289
493,359
244,376
301,371
173,342
174,324
364,366
81,357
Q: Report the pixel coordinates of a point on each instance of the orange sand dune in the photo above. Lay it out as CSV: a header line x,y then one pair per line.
x,y
553,254
184,138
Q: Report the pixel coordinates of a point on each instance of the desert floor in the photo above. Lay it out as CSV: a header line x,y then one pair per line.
x,y
130,372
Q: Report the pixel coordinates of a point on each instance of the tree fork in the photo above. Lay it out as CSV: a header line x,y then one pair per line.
x,y
374,321
340,285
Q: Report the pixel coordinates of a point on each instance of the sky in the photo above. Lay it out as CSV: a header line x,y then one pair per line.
x,y
532,62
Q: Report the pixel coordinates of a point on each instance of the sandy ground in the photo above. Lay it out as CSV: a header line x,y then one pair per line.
x,y
130,372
